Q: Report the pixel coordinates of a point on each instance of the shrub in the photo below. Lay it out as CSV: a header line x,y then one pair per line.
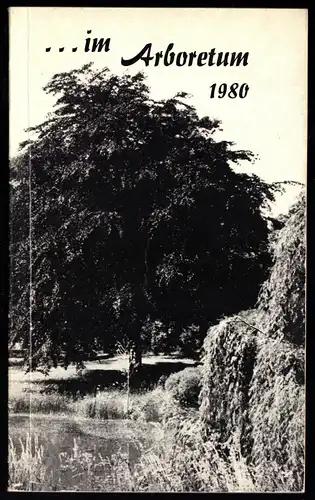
x,y
149,406
254,386
185,386
277,414
106,405
230,352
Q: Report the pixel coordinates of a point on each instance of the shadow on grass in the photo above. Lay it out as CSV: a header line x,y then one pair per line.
x,y
88,382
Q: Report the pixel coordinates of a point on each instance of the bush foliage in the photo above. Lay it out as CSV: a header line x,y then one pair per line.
x,y
253,373
185,386
282,296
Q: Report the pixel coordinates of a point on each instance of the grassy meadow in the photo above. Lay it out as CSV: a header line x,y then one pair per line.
x,y
83,431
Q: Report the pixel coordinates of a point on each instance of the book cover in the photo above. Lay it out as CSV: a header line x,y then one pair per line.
x,y
158,161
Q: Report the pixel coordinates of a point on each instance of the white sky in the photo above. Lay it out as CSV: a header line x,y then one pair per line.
x,y
271,121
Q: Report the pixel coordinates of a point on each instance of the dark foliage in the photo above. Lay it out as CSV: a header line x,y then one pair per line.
x,y
185,386
135,212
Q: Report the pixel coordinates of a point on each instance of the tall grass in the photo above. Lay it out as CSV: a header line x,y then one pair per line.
x,y
149,406
27,470
182,462
27,402
160,469
33,469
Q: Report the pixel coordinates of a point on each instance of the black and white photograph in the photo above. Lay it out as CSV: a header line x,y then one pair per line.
x,y
158,175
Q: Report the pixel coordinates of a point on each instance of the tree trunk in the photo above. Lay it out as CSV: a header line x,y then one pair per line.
x,y
138,355
135,364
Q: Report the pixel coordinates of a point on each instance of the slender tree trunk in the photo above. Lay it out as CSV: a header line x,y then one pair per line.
x,y
135,326
135,364
138,354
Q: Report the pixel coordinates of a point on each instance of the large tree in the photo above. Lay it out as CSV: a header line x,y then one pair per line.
x,y
135,211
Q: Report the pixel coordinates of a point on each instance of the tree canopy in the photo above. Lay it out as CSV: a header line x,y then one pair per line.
x,y
136,213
